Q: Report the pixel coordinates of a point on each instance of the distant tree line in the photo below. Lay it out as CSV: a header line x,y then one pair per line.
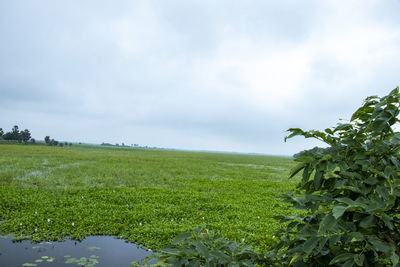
x,y
15,135
52,142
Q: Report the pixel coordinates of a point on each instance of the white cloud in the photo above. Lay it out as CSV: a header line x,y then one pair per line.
x,y
232,75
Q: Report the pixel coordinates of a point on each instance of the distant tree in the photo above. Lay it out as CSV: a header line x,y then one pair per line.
x,y
61,144
47,140
70,144
33,141
1,132
11,135
25,135
8,136
53,142
15,133
65,144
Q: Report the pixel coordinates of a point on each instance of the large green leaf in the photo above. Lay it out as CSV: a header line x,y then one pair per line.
x,y
394,258
318,177
310,244
368,221
338,211
341,258
181,237
359,259
327,223
379,245
296,169
201,249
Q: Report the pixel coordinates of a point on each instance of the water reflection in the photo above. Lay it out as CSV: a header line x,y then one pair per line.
x,y
98,251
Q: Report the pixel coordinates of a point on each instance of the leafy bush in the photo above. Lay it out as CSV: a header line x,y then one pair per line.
x,y
349,192
205,248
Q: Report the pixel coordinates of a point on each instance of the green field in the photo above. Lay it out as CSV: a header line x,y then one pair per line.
x,y
144,196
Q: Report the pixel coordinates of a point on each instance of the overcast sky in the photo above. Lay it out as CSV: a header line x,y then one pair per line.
x,y
205,75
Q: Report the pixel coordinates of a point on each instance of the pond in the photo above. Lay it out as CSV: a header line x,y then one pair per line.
x,y
93,251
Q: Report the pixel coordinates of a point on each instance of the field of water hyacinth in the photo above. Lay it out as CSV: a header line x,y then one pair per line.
x,y
143,196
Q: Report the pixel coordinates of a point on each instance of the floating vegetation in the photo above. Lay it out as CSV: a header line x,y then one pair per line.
x,y
140,196
84,261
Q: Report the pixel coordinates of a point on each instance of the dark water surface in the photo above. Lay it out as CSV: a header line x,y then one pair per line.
x,y
98,251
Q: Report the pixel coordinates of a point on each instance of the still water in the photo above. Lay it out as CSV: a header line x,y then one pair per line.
x,y
93,251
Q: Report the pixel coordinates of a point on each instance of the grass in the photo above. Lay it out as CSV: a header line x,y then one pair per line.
x,y
143,196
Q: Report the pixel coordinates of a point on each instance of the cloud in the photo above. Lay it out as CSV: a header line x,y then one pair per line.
x,y
225,75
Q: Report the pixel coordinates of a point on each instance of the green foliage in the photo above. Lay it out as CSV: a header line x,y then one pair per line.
x,y
349,191
205,248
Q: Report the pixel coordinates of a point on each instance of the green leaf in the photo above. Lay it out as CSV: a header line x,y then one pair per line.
x,y
342,257
306,174
343,127
382,191
388,221
371,180
296,169
182,237
294,132
310,244
348,263
321,244
368,221
394,258
359,259
318,179
379,245
356,237
327,223
172,251
338,211
379,124
201,249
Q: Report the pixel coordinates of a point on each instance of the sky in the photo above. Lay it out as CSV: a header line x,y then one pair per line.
x,y
220,75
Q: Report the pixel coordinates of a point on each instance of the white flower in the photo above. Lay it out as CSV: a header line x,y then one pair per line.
x,y
182,219
140,224
258,217
20,224
202,218
149,250
273,236
73,224
172,220
243,239
82,197
48,220
35,212
35,229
